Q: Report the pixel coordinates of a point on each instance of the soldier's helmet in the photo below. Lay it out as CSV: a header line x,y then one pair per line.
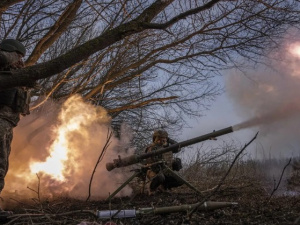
x,y
12,45
159,133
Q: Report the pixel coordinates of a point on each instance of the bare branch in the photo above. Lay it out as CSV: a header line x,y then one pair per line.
x,y
279,181
106,145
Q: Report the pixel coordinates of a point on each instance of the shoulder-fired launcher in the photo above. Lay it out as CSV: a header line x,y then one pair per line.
x,y
133,159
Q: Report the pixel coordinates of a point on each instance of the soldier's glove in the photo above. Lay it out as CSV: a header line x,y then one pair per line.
x,y
176,164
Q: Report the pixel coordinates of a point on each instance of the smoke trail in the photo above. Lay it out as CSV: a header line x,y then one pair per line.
x,y
286,112
271,98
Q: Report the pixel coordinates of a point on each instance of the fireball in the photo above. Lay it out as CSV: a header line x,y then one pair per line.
x,y
74,118
62,158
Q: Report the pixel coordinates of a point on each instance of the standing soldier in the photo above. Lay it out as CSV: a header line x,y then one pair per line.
x,y
13,103
159,179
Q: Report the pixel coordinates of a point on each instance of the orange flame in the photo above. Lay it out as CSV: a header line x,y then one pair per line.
x,y
73,118
77,136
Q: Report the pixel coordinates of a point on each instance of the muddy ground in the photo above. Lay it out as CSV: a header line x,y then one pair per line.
x,y
254,207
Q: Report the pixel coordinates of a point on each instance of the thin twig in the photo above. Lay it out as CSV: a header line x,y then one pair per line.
x,y
13,220
38,191
108,137
38,188
277,186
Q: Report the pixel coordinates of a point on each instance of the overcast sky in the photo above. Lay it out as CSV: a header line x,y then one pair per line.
x,y
264,100
222,114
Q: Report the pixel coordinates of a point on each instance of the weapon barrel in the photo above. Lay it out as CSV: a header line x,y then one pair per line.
x,y
182,144
133,159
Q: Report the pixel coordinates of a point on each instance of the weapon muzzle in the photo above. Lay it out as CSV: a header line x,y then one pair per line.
x,y
122,162
110,166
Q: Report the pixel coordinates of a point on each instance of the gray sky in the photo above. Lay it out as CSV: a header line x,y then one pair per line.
x,y
264,100
222,114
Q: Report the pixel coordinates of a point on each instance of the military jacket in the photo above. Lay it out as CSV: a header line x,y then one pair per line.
x,y
14,101
167,157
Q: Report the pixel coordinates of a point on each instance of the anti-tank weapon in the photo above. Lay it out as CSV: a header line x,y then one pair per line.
x,y
133,159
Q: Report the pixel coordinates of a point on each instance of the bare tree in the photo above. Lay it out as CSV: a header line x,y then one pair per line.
x,y
147,62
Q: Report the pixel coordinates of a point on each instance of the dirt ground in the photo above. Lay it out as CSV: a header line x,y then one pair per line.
x,y
254,207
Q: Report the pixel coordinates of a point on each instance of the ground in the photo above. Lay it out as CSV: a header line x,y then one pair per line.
x,y
255,206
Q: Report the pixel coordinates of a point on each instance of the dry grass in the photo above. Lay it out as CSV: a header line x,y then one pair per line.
x,y
250,183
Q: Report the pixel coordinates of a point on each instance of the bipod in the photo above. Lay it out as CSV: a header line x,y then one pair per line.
x,y
142,173
138,173
167,170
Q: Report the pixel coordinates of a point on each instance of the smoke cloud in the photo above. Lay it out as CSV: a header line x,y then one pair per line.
x,y
270,98
37,132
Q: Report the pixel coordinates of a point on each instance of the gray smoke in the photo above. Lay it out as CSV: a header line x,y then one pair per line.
x,y
268,100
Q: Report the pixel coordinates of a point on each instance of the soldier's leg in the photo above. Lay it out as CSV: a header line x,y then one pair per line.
x,y
155,179
172,182
5,146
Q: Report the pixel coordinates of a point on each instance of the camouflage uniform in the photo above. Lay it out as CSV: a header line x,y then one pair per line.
x,y
13,103
6,135
159,179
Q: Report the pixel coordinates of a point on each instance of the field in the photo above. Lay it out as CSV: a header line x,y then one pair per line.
x,y
254,207
262,197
